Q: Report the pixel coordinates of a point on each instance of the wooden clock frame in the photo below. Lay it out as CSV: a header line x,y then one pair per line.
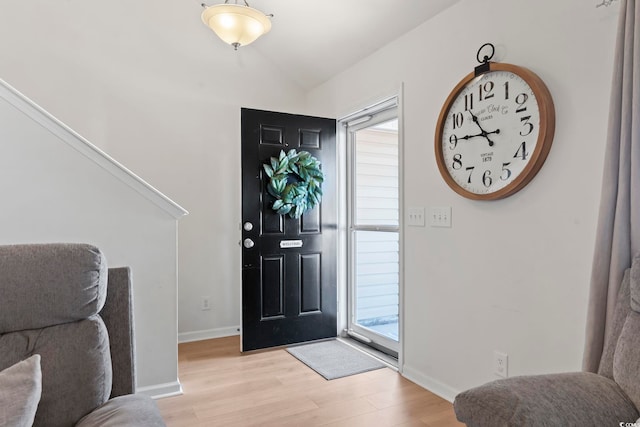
x,y
543,144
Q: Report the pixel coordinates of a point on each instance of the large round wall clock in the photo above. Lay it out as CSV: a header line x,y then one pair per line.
x,y
494,131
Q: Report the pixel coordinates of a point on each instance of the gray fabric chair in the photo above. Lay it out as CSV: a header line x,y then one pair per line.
x,y
608,398
61,302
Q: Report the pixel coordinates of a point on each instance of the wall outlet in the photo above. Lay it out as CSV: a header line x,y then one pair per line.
x,y
206,303
500,364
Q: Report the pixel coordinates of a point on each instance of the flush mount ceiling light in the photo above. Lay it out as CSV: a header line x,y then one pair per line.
x,y
236,24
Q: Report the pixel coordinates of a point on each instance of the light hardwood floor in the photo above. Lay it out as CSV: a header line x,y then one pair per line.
x,y
223,387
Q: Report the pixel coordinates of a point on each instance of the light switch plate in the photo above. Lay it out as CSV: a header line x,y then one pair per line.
x,y
440,216
415,217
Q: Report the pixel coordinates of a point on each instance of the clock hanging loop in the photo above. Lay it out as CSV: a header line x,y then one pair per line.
x,y
484,62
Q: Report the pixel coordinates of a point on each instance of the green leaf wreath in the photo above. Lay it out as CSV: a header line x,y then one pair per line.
x,y
295,181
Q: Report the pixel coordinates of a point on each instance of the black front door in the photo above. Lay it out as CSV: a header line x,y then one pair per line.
x,y
288,265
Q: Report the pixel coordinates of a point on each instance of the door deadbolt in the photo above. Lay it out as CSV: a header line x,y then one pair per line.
x,y
247,226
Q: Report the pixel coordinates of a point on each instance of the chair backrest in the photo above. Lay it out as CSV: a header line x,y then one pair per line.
x,y
620,359
50,297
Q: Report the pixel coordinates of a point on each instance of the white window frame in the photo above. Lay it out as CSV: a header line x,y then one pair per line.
x,y
378,113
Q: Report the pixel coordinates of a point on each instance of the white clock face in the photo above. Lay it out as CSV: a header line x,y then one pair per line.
x,y
490,132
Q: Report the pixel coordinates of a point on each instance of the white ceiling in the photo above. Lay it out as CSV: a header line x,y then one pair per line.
x,y
310,41
313,40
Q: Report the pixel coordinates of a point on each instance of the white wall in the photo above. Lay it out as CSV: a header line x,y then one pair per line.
x,y
56,188
510,275
169,112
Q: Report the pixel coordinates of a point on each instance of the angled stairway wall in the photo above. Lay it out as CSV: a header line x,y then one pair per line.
x,y
57,187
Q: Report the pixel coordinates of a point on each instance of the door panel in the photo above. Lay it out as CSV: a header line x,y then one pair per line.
x,y
272,287
310,266
289,274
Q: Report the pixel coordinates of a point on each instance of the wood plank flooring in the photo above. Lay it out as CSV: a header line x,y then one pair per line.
x,y
223,387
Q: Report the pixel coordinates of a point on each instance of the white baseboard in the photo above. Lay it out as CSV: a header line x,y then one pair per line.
x,y
434,386
160,391
208,334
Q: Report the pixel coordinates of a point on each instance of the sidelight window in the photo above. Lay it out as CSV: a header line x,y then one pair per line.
x,y
374,226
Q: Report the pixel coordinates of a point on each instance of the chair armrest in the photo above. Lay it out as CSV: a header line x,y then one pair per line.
x,y
580,399
117,314
132,410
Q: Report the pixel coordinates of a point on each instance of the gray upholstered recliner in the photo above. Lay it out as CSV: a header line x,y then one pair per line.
x,y
69,327
609,398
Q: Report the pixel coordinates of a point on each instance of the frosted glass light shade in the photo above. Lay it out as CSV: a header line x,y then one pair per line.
x,y
235,24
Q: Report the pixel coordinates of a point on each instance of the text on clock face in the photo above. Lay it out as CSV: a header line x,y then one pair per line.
x,y
498,109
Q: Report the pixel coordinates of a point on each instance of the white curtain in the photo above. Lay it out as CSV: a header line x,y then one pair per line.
x,y
618,232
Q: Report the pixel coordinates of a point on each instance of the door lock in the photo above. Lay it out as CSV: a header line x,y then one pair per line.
x,y
248,243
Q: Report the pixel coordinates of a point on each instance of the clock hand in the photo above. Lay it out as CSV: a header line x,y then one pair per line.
x,y
475,119
483,132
